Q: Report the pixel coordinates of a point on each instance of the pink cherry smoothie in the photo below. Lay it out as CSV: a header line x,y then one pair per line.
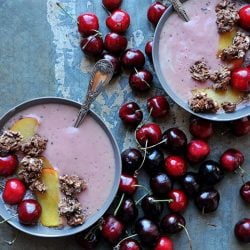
x,y
85,151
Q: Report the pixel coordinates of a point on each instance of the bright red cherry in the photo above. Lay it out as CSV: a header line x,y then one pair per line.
x,y
240,79
131,114
111,4
14,191
133,58
8,164
29,212
149,134
231,159
148,49
115,43
180,201
155,11
128,184
141,80
92,45
114,60
245,192
158,106
118,21
164,243
130,244
244,14
241,127
197,151
175,166
242,230
88,24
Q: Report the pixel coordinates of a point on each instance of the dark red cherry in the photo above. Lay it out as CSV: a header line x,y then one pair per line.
x,y
151,208
115,43
141,80
231,159
241,127
128,184
175,140
131,114
240,79
190,183
161,184
175,166
115,62
131,160
118,21
92,45
164,243
149,134
245,192
158,106
148,49
172,223
111,4
244,15
155,11
154,162
88,24
179,201
242,230
8,164
130,244
133,58
88,240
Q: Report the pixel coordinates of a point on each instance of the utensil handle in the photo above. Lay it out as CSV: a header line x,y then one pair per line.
x,y
178,6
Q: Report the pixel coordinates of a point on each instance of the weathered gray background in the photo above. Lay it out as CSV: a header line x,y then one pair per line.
x,y
40,56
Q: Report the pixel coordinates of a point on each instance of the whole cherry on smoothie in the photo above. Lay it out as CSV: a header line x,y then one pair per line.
x,y
88,24
244,14
240,79
111,4
8,164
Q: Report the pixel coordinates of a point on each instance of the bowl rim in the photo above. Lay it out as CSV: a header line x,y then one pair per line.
x,y
42,231
243,112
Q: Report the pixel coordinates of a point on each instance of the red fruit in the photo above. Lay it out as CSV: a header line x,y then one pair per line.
x,y
133,58
128,184
115,62
150,133
242,230
164,243
240,79
245,192
201,128
180,201
29,212
241,127
197,151
158,106
141,80
92,45
244,14
231,159
129,244
111,4
155,11
131,114
88,24
148,49
8,164
115,43
175,166
14,191
112,229
118,21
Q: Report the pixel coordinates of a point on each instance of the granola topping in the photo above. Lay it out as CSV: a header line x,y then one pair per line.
x,y
228,107
10,141
199,71
221,78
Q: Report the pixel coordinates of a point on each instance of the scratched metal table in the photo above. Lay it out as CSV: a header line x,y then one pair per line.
x,y
40,56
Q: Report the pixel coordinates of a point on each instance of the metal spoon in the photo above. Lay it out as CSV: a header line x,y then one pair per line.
x,y
101,75
179,8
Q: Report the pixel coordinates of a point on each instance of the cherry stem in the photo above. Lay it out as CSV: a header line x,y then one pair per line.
x,y
3,221
126,238
109,14
119,204
11,242
169,201
1,186
139,200
155,145
142,163
149,115
94,228
92,37
189,238
148,192
66,12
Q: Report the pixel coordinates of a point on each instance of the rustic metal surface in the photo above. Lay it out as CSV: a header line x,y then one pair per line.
x,y
40,56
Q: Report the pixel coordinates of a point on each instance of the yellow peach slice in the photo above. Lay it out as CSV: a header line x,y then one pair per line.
x,y
226,39
27,127
46,162
49,200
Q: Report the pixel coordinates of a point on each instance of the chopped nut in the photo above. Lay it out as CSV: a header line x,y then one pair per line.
x,y
34,146
200,103
228,107
199,71
227,16
71,185
37,186
10,141
221,78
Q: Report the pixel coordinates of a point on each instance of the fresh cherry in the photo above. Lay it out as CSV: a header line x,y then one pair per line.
x,y
210,172
29,212
207,200
88,24
8,164
190,183
242,230
128,184
112,229
231,159
88,240
92,45
14,191
240,78
149,134
133,58
164,243
172,223
118,21
197,151
129,244
151,208
175,166
161,184
201,128
179,201
115,43
131,114
244,14
175,140
154,162
241,127
158,106
155,11
131,160
148,232
148,49
111,4
115,62
245,192
141,80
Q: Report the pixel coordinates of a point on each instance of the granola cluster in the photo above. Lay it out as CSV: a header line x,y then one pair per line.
x,y
199,71
221,78
10,141
228,107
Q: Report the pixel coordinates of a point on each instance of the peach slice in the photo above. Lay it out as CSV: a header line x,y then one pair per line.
x,y
46,162
50,199
226,39
27,127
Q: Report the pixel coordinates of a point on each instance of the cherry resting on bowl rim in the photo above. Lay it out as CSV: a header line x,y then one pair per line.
x,y
240,79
